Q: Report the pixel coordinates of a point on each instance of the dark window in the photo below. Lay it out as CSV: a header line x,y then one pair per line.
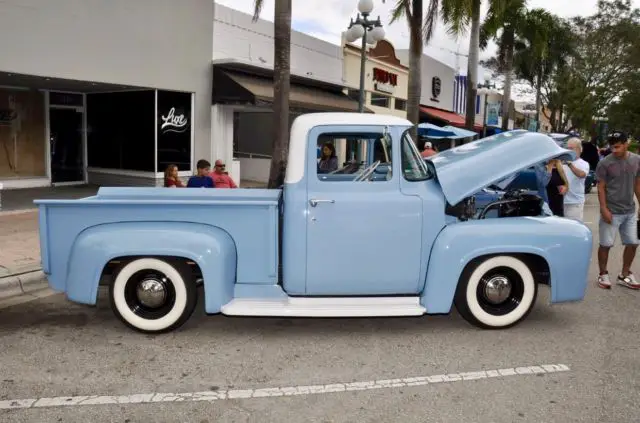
x,y
65,99
353,94
401,104
121,130
174,130
380,100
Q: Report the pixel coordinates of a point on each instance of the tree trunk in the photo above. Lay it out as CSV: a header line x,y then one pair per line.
x,y
472,66
508,75
415,64
538,97
281,84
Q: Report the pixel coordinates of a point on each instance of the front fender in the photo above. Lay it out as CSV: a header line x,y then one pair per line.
x,y
565,245
211,248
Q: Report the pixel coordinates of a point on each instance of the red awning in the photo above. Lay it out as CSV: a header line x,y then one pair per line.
x,y
453,118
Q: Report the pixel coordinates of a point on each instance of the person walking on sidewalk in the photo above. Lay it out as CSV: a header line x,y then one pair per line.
x,y
618,181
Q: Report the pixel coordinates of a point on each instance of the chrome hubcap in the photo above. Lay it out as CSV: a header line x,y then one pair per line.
x,y
151,293
497,289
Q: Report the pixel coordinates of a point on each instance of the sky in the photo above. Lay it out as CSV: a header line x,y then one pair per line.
x,y
326,19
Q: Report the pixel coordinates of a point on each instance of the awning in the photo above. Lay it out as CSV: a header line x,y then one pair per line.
x,y
430,130
240,88
453,118
460,132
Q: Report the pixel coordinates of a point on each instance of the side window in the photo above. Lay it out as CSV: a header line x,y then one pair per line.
x,y
354,157
413,166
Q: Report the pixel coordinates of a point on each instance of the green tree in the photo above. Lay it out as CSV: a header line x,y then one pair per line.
x,y
458,16
607,56
281,86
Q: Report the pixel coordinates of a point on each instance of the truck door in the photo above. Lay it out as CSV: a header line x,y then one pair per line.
x,y
364,236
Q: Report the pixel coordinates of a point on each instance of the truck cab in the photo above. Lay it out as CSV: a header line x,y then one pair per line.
x,y
382,233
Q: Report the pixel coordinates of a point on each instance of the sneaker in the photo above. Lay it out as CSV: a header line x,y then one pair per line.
x,y
604,282
628,281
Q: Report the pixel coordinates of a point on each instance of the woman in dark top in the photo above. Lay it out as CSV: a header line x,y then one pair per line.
x,y
557,187
328,159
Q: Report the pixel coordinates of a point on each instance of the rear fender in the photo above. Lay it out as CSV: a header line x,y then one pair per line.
x,y
564,244
211,248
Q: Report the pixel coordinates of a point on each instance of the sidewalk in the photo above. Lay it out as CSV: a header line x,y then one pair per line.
x,y
20,251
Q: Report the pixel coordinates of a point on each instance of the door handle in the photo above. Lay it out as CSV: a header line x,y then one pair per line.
x,y
314,202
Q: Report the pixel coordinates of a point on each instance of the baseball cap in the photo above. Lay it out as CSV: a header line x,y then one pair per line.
x,y
617,136
428,145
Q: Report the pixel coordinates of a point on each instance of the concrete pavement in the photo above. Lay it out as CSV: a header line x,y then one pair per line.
x,y
81,364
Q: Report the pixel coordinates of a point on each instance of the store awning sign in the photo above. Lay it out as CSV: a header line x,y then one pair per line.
x,y
384,81
172,122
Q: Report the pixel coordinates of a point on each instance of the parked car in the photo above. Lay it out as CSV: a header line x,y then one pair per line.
x,y
394,238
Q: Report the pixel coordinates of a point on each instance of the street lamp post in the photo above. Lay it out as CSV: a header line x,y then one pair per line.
x,y
371,32
487,85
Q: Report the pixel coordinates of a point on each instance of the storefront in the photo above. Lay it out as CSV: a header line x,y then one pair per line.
x,y
241,112
105,107
386,78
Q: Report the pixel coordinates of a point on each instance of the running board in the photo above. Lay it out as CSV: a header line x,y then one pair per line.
x,y
325,307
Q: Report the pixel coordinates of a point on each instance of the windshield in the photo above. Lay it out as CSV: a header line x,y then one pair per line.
x,y
413,166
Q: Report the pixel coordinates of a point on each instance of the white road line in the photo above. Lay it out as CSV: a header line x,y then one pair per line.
x,y
278,392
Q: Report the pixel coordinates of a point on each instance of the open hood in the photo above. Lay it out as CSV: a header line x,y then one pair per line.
x,y
465,170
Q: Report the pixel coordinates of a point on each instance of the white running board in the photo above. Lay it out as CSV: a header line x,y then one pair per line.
x,y
325,307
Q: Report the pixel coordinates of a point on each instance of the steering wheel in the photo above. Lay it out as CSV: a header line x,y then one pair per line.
x,y
367,172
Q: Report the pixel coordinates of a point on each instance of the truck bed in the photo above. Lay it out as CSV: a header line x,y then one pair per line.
x,y
249,216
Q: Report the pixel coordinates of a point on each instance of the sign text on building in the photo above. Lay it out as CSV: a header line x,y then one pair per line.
x,y
385,77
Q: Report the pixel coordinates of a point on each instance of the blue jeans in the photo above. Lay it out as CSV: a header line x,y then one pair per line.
x,y
626,224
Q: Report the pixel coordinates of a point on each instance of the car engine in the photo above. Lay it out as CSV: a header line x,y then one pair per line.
x,y
516,203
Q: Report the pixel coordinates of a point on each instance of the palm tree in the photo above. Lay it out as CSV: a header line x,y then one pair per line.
x,y
505,26
544,50
458,16
281,85
412,10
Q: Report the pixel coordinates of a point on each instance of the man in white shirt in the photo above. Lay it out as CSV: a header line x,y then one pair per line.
x,y
576,172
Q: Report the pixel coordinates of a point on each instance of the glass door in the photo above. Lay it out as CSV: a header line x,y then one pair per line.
x,y
66,144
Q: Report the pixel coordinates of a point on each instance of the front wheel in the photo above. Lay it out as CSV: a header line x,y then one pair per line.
x,y
497,293
153,295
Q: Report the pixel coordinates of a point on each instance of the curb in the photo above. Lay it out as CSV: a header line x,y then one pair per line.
x,y
17,212
20,284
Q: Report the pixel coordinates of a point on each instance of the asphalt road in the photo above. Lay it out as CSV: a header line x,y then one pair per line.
x,y
53,348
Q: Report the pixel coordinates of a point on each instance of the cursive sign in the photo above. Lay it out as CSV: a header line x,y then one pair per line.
x,y
436,86
173,123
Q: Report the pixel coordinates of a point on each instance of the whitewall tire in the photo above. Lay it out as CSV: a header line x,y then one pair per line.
x,y
496,293
153,295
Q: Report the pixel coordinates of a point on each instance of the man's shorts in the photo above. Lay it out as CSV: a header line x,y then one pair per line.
x,y
626,224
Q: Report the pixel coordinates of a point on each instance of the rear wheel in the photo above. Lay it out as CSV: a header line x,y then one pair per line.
x,y
496,293
153,295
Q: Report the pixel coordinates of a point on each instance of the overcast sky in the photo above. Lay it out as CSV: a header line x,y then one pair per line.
x,y
326,19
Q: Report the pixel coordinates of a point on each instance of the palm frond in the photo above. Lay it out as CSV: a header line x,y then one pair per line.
x,y
400,10
257,9
430,21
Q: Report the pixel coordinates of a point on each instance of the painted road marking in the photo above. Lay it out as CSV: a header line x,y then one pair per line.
x,y
278,392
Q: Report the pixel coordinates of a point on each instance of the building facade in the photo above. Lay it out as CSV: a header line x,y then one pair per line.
x,y
103,92
438,86
241,110
386,79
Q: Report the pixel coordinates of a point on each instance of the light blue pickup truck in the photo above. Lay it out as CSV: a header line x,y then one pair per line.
x,y
385,234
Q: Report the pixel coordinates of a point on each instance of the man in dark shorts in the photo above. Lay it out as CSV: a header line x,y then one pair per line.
x,y
618,181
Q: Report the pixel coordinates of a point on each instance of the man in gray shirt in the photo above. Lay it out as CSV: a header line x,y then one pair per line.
x,y
618,180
